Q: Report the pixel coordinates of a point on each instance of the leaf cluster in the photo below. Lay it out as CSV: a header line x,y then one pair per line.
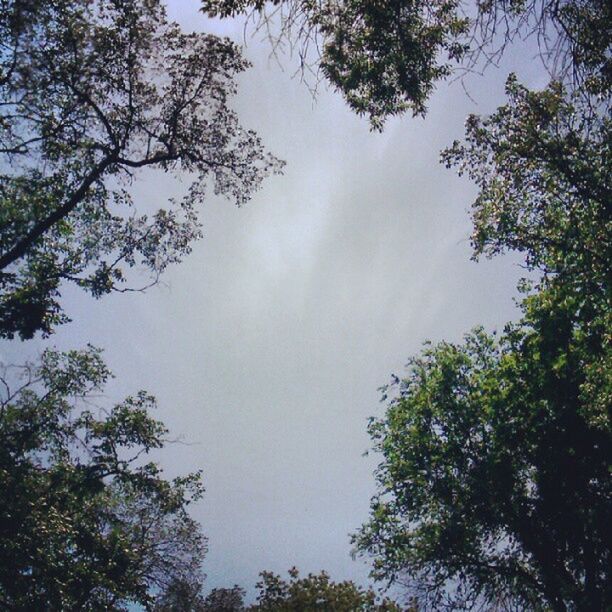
x,y
543,167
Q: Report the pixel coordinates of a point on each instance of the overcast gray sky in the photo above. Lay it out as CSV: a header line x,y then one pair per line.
x,y
267,345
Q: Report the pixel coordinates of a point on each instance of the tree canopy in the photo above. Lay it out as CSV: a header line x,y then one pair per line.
x,y
386,57
543,167
92,93
87,524
225,600
494,484
297,594
316,592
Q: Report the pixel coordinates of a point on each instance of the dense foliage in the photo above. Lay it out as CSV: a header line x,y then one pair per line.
x,y
86,523
90,94
494,484
316,592
387,57
313,592
225,600
543,166
185,595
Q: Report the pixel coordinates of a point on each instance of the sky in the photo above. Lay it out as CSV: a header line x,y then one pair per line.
x,y
267,345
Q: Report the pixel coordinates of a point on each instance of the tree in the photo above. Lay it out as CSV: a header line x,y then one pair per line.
x,y
494,484
494,480
185,595
387,57
91,94
315,592
225,600
87,525
180,595
543,167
